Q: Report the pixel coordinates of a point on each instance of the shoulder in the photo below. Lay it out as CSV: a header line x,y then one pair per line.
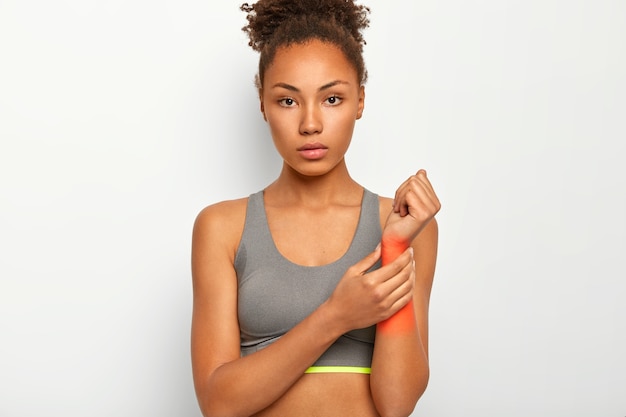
x,y
228,210
220,226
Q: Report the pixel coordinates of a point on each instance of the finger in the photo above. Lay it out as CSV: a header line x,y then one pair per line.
x,y
421,193
397,266
401,196
420,178
402,294
396,200
369,261
431,190
421,187
406,183
413,196
397,290
423,179
421,208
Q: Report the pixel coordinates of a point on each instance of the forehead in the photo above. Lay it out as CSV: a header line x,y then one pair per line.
x,y
314,62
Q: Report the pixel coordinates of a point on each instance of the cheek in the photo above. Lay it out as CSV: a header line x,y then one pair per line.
x,y
281,130
277,123
342,122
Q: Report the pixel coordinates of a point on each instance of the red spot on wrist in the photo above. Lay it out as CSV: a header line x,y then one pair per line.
x,y
404,320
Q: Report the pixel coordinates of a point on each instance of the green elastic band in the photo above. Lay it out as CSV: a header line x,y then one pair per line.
x,y
338,369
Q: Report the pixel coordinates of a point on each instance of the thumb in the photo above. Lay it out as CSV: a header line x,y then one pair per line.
x,y
366,263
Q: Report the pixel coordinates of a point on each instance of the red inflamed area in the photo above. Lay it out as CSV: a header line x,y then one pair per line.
x,y
404,320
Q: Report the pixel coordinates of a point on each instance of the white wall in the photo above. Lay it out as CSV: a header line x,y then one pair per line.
x,y
120,120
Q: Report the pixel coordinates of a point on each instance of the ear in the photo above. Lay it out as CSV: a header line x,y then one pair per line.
x,y
359,112
261,104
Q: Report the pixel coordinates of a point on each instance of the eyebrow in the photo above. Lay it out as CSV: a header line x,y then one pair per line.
x,y
322,88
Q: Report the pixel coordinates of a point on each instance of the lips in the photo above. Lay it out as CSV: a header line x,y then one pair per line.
x,y
312,151
312,146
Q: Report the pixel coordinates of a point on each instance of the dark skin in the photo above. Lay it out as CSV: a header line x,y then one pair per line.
x,y
311,99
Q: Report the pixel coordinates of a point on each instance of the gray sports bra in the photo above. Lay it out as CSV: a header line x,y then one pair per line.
x,y
274,294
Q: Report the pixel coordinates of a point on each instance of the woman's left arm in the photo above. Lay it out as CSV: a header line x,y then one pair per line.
x,y
400,369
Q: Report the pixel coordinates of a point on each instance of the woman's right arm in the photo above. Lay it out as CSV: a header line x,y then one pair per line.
x,y
227,385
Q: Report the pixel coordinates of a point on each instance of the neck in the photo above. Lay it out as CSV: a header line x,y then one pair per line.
x,y
334,187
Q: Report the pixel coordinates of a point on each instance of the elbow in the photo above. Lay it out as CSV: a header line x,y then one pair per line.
x,y
213,406
402,402
213,400
422,384
396,410
216,404
211,409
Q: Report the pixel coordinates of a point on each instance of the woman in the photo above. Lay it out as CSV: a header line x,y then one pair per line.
x,y
288,286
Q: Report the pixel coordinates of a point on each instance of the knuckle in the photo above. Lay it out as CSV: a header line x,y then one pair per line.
x,y
378,295
368,283
354,270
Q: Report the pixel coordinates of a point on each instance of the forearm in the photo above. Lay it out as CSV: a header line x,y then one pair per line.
x,y
400,362
400,372
247,385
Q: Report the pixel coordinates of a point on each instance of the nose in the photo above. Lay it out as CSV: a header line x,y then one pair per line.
x,y
311,122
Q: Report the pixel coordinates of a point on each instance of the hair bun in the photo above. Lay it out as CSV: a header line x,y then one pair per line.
x,y
266,16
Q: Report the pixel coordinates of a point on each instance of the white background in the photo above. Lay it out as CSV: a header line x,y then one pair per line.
x,y
120,120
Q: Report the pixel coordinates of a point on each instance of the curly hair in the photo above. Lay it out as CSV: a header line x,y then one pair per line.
x,y
276,23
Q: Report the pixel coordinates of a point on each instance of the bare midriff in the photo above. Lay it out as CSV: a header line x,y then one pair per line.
x,y
325,395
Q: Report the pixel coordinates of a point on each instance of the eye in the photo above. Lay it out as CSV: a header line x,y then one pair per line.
x,y
333,100
287,102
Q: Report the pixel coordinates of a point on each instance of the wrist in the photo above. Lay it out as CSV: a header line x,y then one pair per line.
x,y
392,246
330,319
